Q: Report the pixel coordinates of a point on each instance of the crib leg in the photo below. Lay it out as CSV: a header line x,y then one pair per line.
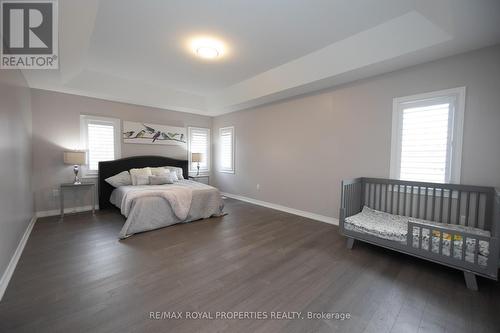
x,y
350,243
470,281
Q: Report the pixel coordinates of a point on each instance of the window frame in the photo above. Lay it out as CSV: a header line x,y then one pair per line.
x,y
209,145
232,169
84,121
456,98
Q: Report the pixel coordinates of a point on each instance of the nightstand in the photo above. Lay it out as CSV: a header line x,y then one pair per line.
x,y
67,186
200,177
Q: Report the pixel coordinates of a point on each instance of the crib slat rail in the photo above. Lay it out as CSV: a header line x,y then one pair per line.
x,y
467,205
411,201
416,239
441,206
433,203
444,205
450,196
477,209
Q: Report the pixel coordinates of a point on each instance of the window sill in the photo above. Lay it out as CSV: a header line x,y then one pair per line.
x,y
205,172
90,176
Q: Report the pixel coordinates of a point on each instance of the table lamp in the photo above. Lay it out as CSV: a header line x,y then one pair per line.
x,y
197,157
75,158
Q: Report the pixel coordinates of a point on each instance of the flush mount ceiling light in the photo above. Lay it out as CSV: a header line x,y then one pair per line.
x,y
207,48
207,52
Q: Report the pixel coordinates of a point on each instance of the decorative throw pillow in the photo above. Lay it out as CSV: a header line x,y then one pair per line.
x,y
145,172
177,170
140,180
173,177
121,179
160,180
163,172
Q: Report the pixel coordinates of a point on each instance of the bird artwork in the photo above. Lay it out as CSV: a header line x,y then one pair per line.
x,y
128,134
140,134
149,129
156,136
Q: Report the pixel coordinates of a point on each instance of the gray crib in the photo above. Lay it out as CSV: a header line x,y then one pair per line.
x,y
448,207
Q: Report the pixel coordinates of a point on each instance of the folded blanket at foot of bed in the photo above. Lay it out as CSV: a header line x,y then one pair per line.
x,y
179,198
149,207
395,228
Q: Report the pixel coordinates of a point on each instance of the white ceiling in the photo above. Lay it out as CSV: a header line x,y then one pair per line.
x,y
135,51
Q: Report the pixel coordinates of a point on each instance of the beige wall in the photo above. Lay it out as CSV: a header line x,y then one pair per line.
x,y
16,199
56,127
299,150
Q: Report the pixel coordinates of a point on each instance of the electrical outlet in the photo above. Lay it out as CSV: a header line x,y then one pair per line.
x,y
258,187
55,192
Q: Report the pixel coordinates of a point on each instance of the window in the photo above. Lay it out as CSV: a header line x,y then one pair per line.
x,y
199,142
226,137
427,136
101,139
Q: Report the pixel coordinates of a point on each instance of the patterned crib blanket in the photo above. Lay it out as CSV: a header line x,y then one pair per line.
x,y
395,228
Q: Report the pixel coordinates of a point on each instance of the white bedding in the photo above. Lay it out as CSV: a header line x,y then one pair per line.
x,y
178,197
148,207
395,228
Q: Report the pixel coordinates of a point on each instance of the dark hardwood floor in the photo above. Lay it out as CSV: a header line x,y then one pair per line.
x,y
76,276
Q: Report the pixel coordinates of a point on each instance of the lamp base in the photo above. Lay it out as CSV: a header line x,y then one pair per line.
x,y
76,169
198,173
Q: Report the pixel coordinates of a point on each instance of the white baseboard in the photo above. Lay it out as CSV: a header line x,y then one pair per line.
x,y
70,210
312,216
7,275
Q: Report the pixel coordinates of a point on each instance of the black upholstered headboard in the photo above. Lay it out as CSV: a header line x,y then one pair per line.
x,y
111,168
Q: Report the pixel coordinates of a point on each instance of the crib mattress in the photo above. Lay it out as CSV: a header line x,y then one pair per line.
x,y
395,228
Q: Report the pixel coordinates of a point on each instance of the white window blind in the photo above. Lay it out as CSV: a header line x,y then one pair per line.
x,y
100,136
199,142
425,152
427,131
227,149
100,144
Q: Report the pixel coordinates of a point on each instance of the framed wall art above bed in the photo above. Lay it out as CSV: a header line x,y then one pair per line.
x,y
145,133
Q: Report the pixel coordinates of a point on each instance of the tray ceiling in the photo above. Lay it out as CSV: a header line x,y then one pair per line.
x,y
135,51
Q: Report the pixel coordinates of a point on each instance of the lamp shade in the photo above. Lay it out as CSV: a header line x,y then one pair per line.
x,y
74,157
196,157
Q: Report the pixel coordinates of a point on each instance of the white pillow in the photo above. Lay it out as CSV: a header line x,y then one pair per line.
x,y
121,179
140,180
144,172
177,170
160,180
163,172
173,177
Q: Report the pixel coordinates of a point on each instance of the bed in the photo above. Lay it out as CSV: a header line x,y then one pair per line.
x,y
454,225
149,207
